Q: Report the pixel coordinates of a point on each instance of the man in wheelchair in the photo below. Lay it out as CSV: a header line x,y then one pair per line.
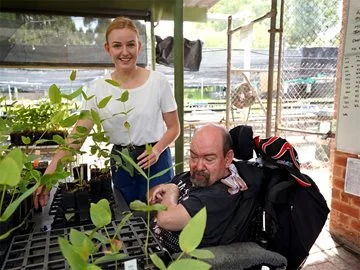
x,y
212,181
268,201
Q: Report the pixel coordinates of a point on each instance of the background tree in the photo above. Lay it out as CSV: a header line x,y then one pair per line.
x,y
310,23
215,32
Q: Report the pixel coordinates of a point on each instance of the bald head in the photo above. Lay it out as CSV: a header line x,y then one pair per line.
x,y
210,154
216,132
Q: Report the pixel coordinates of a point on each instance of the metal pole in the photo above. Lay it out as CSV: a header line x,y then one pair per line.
x,y
278,84
271,67
179,81
228,73
153,51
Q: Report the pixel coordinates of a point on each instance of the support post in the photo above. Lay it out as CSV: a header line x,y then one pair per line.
x,y
179,81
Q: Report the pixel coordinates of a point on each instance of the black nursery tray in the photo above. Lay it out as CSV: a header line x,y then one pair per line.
x,y
41,251
60,220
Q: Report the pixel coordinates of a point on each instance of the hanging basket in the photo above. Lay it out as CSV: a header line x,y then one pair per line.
x,y
243,96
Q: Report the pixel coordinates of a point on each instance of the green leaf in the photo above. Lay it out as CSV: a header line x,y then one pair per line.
x,y
138,206
127,125
82,130
76,237
58,139
148,148
85,115
124,96
104,102
92,267
93,150
143,207
8,233
190,237
101,238
113,83
11,167
100,213
160,173
86,97
68,216
35,174
124,219
73,94
57,117
157,261
111,258
95,117
15,204
157,207
132,162
25,140
202,254
189,264
81,243
18,156
42,141
73,75
54,94
69,121
73,258
3,126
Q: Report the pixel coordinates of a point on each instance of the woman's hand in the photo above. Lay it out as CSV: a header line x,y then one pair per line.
x,y
145,160
41,197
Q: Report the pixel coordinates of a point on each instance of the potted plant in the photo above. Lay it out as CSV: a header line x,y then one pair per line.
x,y
82,247
18,177
34,122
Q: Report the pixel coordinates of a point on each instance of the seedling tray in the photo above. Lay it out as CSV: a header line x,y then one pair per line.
x,y
71,217
41,250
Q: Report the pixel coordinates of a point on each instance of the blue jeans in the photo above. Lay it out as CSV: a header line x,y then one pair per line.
x,y
135,188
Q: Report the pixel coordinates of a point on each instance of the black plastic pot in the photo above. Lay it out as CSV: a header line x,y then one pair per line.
x,y
101,185
78,214
81,170
68,200
82,202
41,251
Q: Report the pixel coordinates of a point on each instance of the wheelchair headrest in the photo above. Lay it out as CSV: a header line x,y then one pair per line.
x,y
242,137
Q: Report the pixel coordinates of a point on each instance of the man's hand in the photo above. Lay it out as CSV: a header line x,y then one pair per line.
x,y
156,194
164,193
41,197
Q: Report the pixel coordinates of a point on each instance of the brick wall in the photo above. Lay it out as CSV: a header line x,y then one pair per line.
x,y
345,208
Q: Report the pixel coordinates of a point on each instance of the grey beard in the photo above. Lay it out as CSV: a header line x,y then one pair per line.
x,y
200,183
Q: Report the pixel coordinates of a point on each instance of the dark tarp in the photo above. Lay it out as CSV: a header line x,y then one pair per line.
x,y
192,53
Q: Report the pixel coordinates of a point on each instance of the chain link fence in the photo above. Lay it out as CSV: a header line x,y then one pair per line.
x,y
307,86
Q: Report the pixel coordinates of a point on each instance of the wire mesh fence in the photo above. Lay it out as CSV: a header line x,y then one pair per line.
x,y
307,86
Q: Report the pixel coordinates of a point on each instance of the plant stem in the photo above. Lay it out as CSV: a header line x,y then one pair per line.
x,y
13,195
148,215
2,198
107,234
126,119
182,254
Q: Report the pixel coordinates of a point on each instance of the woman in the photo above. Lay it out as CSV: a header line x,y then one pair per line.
x,y
152,104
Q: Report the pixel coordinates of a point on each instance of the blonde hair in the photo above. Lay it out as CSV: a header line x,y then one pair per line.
x,y
121,23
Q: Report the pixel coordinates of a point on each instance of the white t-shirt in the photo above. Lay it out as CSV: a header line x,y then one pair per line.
x,y
147,102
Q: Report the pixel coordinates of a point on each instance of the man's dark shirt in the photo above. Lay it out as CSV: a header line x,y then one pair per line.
x,y
220,208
